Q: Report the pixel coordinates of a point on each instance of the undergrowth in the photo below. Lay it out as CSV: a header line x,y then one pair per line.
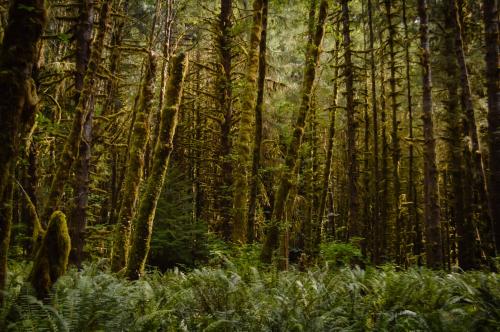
x,y
240,297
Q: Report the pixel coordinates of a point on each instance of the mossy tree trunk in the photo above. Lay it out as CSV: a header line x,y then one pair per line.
x,y
431,195
257,144
289,172
51,259
135,167
84,106
243,151
143,218
225,104
18,101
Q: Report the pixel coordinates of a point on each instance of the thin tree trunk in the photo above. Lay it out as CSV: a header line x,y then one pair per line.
x,y
354,225
143,219
412,189
432,213
257,146
282,193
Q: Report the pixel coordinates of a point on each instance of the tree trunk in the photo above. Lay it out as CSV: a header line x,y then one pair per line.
x,y
143,219
78,219
312,59
18,102
240,171
135,167
492,83
413,215
354,225
432,213
257,146
225,100
84,107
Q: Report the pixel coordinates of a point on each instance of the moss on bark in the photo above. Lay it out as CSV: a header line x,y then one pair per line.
x,y
51,259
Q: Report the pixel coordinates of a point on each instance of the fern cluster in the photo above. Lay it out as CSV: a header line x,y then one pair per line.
x,y
243,298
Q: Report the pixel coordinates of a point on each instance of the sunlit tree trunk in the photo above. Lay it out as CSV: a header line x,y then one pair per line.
x,y
243,152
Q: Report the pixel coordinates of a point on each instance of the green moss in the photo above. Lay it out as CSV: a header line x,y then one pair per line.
x,y
51,259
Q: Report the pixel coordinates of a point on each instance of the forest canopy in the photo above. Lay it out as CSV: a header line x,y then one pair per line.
x,y
344,141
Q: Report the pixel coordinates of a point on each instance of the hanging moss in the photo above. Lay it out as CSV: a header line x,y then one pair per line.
x,y
51,259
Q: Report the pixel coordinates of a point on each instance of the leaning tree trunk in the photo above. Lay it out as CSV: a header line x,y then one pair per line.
x,y
492,82
257,145
431,196
243,153
289,172
18,101
135,167
143,219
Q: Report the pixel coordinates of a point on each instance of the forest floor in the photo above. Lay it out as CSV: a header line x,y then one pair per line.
x,y
241,297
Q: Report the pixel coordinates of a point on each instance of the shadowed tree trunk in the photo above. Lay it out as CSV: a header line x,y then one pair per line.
x,y
431,196
492,83
78,220
18,102
84,107
143,219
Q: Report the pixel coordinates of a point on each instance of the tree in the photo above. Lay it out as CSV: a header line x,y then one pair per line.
x,y
431,195
277,220
143,218
18,102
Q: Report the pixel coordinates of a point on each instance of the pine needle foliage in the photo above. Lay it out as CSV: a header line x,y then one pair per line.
x,y
243,298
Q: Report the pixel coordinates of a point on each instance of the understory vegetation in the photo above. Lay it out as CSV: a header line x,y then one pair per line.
x,y
233,295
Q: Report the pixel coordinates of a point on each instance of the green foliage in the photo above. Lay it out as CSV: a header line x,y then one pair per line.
x,y
341,254
178,239
246,299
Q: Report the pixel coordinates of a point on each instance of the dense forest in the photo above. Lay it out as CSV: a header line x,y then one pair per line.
x,y
249,165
